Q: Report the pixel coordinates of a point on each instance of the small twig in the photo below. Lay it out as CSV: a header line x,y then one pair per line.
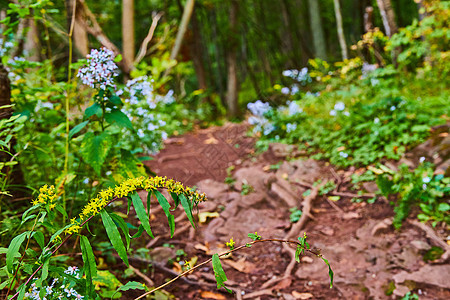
x,y
148,38
224,254
351,195
432,235
149,282
337,177
306,212
335,206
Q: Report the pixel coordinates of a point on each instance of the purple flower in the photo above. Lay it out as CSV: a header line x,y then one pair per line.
x,y
100,69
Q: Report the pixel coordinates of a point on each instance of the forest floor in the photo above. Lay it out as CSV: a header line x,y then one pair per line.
x,y
370,259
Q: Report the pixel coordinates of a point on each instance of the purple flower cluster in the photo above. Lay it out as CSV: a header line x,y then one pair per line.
x,y
100,69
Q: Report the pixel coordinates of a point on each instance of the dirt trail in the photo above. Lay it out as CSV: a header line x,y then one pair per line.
x,y
369,258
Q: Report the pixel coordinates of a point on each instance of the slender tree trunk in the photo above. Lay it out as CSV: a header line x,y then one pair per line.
x,y
288,47
32,46
2,26
388,16
320,49
232,83
340,29
128,30
79,36
197,52
218,55
187,13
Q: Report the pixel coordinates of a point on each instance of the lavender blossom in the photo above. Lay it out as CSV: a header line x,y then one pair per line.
x,y
100,69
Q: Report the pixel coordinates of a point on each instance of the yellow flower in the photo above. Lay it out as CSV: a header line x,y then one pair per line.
x,y
230,244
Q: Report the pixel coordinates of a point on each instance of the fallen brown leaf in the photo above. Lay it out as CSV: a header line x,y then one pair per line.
x,y
302,296
241,265
211,295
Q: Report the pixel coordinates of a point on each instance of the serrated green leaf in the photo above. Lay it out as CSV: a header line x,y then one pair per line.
x,y
219,273
141,213
166,208
90,267
77,128
187,208
122,225
95,148
114,236
119,118
94,109
14,248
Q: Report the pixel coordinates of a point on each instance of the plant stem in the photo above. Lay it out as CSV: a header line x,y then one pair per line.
x,y
247,245
69,90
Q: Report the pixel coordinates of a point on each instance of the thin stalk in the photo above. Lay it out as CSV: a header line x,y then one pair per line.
x,y
23,256
67,104
247,245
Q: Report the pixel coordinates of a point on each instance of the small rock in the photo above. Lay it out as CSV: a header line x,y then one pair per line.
x,y
212,188
370,186
350,215
420,245
162,254
436,275
307,260
401,290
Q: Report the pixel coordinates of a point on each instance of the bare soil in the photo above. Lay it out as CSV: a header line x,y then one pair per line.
x,y
370,259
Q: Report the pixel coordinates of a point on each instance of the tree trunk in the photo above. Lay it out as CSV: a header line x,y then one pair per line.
x,y
128,30
340,29
232,83
2,26
79,35
388,16
32,46
320,49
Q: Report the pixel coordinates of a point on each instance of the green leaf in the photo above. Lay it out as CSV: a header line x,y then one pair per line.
x,y
187,208
176,200
166,208
39,237
94,109
139,232
219,274
115,100
149,201
122,225
330,272
444,207
77,128
130,285
114,236
118,58
254,236
118,117
95,148
141,213
90,267
57,233
14,248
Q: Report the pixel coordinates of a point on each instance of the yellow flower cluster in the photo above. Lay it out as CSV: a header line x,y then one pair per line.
x,y
47,195
127,187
